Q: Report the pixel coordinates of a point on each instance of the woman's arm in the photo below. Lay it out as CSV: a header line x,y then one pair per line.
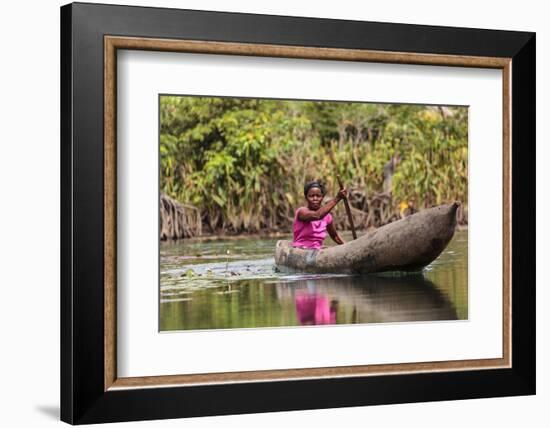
x,y
305,214
334,234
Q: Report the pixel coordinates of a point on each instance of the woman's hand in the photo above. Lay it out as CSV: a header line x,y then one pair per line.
x,y
342,194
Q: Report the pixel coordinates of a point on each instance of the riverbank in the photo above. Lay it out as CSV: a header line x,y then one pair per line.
x,y
179,221
276,234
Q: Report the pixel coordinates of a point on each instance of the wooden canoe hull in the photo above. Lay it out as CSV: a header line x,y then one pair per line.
x,y
408,244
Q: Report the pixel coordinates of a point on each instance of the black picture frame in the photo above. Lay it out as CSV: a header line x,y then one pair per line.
x,y
83,396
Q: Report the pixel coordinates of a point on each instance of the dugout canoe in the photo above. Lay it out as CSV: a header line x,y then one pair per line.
x,y
407,245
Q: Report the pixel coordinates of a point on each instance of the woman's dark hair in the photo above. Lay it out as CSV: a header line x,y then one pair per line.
x,y
314,183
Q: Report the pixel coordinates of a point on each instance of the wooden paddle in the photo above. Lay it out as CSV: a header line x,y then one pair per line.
x,y
348,209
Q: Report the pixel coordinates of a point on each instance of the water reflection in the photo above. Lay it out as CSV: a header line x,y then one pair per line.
x,y
203,287
360,299
315,309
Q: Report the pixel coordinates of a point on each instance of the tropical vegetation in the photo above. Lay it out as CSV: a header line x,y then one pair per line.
x,y
242,163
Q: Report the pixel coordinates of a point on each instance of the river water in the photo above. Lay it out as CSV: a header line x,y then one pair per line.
x,y
232,283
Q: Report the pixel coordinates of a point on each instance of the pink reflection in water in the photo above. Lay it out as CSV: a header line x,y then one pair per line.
x,y
315,309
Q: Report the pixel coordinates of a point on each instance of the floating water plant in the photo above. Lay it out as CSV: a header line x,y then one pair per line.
x,y
189,273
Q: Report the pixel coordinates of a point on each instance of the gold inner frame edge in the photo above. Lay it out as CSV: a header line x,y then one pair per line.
x,y
113,43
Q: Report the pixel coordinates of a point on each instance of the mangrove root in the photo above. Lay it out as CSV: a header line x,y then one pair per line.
x,y
178,220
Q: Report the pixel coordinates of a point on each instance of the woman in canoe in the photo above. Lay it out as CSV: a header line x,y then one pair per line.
x,y
312,222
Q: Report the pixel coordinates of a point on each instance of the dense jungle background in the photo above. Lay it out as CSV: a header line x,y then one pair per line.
x,y
232,166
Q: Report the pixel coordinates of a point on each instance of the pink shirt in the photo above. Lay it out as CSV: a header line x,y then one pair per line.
x,y
310,234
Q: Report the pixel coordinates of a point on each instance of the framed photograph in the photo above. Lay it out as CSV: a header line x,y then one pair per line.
x,y
266,213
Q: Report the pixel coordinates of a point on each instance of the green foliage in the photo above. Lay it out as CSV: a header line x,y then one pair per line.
x,y
243,162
